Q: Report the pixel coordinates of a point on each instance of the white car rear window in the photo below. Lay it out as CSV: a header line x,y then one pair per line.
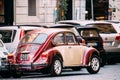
x,y
103,28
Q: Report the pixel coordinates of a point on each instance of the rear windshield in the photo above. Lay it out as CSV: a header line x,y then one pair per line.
x,y
34,38
103,28
89,33
7,35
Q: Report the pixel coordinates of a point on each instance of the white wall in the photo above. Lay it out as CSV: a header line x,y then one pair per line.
x,y
45,9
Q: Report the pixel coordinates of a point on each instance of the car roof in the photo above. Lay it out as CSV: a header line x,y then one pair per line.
x,y
48,30
60,26
25,27
83,22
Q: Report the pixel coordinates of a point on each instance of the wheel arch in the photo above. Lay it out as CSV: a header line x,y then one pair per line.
x,y
88,54
55,54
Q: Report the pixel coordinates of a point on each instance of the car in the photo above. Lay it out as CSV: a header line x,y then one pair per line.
x,y
50,50
11,35
110,33
3,57
91,37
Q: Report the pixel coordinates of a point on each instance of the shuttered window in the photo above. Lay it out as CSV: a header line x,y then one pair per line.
x,y
31,7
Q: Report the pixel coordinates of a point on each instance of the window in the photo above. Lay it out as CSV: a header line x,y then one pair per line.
x,y
103,28
7,35
1,11
59,39
89,33
34,38
70,38
31,7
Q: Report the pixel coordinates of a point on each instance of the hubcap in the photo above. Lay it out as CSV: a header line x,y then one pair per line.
x,y
57,67
95,64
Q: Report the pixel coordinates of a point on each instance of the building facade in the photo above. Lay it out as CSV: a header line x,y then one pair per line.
x,y
15,12
45,11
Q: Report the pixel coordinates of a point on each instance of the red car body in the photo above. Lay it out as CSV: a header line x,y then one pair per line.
x,y
51,50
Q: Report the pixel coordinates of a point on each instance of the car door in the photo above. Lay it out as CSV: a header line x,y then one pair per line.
x,y
63,48
75,50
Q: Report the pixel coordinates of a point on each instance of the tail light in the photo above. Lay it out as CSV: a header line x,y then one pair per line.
x,y
11,58
22,33
44,58
118,37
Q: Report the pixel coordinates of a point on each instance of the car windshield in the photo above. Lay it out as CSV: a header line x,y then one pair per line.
x,y
34,38
103,28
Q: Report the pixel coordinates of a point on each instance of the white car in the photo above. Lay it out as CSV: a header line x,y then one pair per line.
x,y
110,33
3,56
11,35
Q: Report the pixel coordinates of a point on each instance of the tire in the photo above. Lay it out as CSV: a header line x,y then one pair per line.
x,y
94,65
5,74
56,67
16,74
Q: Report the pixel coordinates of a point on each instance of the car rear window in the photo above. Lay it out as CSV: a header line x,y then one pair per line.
x,y
103,28
34,38
89,33
7,35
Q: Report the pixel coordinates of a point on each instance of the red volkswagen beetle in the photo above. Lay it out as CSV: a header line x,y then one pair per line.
x,y
51,50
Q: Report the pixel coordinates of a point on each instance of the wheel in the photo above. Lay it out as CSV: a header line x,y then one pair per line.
x,y
16,74
94,65
56,67
5,74
76,68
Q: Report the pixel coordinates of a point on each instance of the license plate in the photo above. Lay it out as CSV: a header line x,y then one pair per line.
x,y
24,57
107,44
91,44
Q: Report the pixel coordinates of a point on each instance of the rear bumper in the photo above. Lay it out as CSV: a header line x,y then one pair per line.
x,y
112,52
29,67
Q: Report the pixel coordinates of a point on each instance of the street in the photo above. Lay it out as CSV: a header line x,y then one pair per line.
x,y
108,72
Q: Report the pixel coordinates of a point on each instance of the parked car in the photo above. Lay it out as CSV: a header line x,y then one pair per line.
x,y
3,57
93,38
87,36
11,35
110,33
50,50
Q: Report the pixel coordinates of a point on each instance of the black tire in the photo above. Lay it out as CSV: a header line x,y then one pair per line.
x,y
56,67
94,65
16,74
5,74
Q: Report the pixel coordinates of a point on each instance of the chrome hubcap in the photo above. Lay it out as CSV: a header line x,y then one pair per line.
x,y
95,64
57,67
